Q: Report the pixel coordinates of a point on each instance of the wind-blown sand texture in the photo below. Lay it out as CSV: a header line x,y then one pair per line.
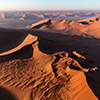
x,y
37,64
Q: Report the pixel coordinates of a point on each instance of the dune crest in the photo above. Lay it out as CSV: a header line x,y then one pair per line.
x,y
80,28
28,40
40,23
29,74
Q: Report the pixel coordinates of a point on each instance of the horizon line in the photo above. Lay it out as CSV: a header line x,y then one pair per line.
x,y
56,10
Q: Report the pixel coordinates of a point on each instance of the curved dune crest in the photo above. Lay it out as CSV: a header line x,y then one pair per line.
x,y
92,19
54,24
28,72
45,77
29,39
70,27
40,23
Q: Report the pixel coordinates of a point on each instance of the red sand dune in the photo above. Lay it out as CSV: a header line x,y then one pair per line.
x,y
51,67
69,27
14,41
91,19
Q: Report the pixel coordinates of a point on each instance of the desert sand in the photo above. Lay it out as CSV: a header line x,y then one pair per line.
x,y
54,60
70,27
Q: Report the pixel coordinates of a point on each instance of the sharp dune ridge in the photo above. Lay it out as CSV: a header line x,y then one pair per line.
x,y
40,65
91,19
28,40
70,27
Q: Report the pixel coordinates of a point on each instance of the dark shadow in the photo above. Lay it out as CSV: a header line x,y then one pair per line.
x,y
6,95
10,39
57,58
97,19
91,20
47,24
50,43
74,67
93,80
85,63
84,23
54,64
24,53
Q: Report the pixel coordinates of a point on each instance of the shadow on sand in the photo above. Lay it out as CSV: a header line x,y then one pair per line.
x,y
50,43
6,95
89,47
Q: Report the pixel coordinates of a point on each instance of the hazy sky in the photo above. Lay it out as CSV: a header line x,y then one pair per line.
x,y
49,4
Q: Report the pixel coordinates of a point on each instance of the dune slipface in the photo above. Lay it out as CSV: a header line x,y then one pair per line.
x,y
26,73
81,28
14,41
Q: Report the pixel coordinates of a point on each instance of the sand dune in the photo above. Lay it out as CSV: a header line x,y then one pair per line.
x,y
14,41
75,15
54,60
45,21
91,19
27,72
69,27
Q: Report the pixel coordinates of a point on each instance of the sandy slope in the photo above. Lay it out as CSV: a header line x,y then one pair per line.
x,y
29,39
70,27
12,41
52,67
91,19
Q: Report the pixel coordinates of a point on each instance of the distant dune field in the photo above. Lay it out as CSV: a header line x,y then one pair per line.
x,y
23,19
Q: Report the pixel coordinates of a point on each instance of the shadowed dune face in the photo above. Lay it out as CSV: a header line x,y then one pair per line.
x,y
14,41
31,73
24,53
9,39
83,28
43,76
89,47
6,95
52,66
92,19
